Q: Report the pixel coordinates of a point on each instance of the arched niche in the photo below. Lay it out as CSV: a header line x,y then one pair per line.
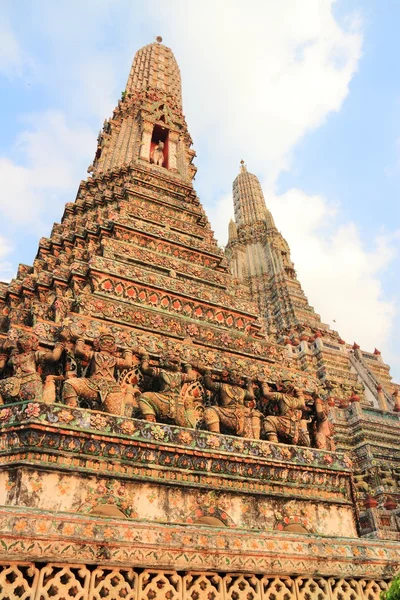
x,y
107,510
160,134
295,528
211,516
211,521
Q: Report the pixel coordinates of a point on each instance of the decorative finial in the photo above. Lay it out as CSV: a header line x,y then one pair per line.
x,y
158,39
242,166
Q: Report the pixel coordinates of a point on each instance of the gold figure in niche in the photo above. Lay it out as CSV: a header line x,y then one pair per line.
x,y
158,154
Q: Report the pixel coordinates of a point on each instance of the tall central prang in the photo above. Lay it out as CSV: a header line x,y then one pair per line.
x,y
148,125
177,423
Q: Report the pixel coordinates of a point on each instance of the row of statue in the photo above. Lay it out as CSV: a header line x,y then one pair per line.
x,y
117,383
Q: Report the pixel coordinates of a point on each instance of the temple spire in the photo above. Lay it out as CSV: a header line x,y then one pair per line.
x,y
154,66
232,230
148,126
260,256
248,199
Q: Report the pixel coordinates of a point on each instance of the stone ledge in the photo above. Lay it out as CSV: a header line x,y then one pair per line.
x,y
45,536
58,438
63,417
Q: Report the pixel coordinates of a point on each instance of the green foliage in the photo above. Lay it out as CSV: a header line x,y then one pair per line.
x,y
393,593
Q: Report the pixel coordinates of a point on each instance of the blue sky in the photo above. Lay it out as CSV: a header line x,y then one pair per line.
x,y
306,93
356,154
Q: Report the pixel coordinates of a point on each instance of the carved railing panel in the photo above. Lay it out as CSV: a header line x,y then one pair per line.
x,y
345,589
278,588
60,582
242,587
197,586
113,584
160,585
18,581
371,590
66,582
312,588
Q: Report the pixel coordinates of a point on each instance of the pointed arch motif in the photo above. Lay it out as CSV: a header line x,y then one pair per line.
x,y
212,516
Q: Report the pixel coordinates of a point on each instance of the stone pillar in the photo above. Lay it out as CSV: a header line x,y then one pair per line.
x,y
381,398
357,351
396,399
318,342
146,141
355,404
172,150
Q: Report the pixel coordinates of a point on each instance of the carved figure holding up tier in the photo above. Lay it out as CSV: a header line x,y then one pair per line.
x,y
20,352
158,154
100,383
235,412
288,425
168,402
322,428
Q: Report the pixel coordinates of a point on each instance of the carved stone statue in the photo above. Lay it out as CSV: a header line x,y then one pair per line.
x,y
21,354
168,402
361,483
386,477
322,427
288,424
158,154
235,412
100,383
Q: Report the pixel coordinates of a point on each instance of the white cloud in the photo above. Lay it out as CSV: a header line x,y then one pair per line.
x,y
82,63
50,159
340,277
11,55
6,269
255,82
262,77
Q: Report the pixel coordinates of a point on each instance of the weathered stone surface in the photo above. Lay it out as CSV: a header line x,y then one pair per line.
x,y
96,504
112,541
